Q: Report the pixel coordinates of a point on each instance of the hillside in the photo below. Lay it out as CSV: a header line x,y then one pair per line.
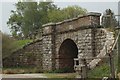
x,y
9,45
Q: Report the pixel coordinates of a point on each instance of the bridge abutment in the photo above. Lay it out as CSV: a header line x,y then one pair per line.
x,y
85,31
84,35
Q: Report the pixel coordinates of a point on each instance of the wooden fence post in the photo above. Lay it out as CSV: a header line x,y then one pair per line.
x,y
119,53
84,69
112,69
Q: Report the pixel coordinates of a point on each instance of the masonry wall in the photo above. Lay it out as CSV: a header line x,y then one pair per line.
x,y
47,52
28,56
84,31
81,38
80,30
99,41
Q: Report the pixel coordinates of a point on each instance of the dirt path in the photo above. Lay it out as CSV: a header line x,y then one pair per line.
x,y
23,76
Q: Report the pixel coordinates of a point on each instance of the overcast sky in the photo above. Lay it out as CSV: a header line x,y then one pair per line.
x,y
6,7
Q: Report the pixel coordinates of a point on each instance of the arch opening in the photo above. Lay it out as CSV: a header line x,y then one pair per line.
x,y
67,52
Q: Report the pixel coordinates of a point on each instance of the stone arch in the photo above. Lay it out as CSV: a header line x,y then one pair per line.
x,y
67,52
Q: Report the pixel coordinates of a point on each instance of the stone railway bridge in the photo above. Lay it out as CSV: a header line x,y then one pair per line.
x,y
62,42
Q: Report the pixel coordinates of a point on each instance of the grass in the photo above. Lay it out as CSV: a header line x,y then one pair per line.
x,y
99,72
61,75
103,70
15,45
21,43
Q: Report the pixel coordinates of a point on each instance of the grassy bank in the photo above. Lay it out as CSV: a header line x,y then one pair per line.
x,y
21,43
104,69
99,72
11,45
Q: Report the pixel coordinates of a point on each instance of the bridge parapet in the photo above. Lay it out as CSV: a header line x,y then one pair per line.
x,y
82,21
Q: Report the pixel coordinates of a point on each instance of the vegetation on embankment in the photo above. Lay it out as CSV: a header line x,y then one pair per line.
x,y
103,70
99,71
21,43
10,44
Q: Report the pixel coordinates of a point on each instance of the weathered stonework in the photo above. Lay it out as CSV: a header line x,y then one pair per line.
x,y
84,31
28,56
62,42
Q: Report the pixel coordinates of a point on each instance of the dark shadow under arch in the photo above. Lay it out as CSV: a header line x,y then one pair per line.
x,y
67,52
